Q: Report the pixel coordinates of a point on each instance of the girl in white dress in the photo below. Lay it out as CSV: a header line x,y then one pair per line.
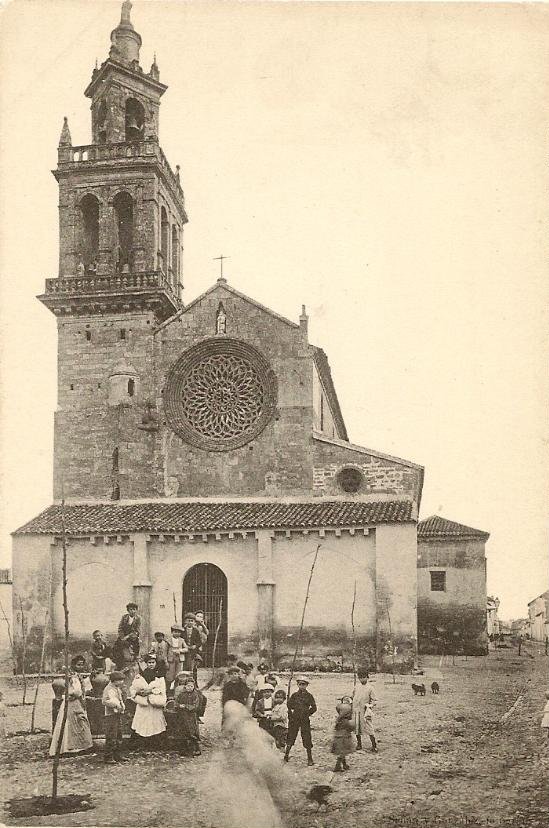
x,y
149,693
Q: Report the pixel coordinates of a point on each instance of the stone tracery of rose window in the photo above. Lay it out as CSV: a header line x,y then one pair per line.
x,y
220,394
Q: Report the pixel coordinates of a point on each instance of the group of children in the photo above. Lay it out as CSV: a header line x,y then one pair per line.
x,y
284,719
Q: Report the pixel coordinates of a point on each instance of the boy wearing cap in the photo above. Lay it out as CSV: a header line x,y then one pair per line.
x,y
129,628
192,639
364,700
175,657
301,706
114,707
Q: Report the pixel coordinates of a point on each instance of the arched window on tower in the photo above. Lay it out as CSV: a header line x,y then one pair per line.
x,y
123,213
89,230
102,123
135,120
164,236
175,255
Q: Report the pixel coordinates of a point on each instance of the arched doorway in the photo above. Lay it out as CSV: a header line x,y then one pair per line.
x,y
205,588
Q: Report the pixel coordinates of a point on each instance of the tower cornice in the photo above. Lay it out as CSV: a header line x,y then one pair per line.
x,y
111,66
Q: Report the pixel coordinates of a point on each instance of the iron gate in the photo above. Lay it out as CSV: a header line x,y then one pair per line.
x,y
205,588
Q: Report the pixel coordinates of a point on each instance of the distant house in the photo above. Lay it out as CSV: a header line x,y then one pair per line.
x,y
520,626
538,617
451,588
492,621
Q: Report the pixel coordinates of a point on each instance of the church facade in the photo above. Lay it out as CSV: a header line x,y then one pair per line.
x,y
200,449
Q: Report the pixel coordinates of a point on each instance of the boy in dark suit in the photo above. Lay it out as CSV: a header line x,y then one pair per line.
x,y
301,706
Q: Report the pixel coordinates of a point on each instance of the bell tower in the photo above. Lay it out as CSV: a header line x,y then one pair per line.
x,y
121,207
121,220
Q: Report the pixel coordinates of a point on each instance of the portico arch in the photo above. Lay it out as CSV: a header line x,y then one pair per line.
x,y
205,588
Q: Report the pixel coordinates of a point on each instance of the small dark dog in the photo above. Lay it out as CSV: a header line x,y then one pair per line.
x,y
320,794
435,687
419,689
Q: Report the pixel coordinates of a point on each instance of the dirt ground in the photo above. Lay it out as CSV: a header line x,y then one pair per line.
x,y
444,760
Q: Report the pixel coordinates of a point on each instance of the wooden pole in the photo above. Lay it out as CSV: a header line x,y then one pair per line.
x,y
10,639
174,608
298,642
217,634
354,635
391,638
55,766
24,654
40,671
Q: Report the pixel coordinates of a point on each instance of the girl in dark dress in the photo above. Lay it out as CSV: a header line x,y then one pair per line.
x,y
187,707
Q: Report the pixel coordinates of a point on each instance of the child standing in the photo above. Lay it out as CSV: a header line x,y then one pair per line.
x,y
545,717
187,706
279,719
159,648
301,706
344,741
114,707
364,701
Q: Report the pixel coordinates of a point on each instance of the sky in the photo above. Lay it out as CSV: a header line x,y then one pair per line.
x,y
383,164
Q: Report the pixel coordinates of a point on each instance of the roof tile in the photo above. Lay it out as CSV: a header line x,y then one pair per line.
x,y
439,527
198,517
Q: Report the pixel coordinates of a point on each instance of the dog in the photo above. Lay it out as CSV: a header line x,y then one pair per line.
x,y
435,687
320,794
419,689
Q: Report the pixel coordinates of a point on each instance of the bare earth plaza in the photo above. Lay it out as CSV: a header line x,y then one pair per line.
x,y
230,614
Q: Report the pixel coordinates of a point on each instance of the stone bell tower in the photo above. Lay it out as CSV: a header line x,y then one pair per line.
x,y
121,220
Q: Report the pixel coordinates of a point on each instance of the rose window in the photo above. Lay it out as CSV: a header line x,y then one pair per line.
x,y
220,394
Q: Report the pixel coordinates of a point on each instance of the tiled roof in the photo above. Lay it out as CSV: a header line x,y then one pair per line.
x,y
196,517
438,527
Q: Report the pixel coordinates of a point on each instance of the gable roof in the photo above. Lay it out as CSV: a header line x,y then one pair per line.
x,y
223,284
200,517
439,527
319,356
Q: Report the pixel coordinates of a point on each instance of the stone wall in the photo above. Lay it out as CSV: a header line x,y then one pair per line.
x,y
279,460
453,620
380,473
87,428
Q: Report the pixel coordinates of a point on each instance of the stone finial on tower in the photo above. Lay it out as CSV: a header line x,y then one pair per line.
x,y
65,139
304,321
126,10
125,41
155,71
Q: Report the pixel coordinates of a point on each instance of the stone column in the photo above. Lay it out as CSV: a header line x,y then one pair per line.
x,y
265,591
142,586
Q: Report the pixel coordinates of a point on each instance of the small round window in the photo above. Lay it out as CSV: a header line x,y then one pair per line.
x,y
350,480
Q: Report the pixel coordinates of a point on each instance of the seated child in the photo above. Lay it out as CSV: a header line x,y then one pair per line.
x,y
264,707
344,741
279,719
100,653
187,705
